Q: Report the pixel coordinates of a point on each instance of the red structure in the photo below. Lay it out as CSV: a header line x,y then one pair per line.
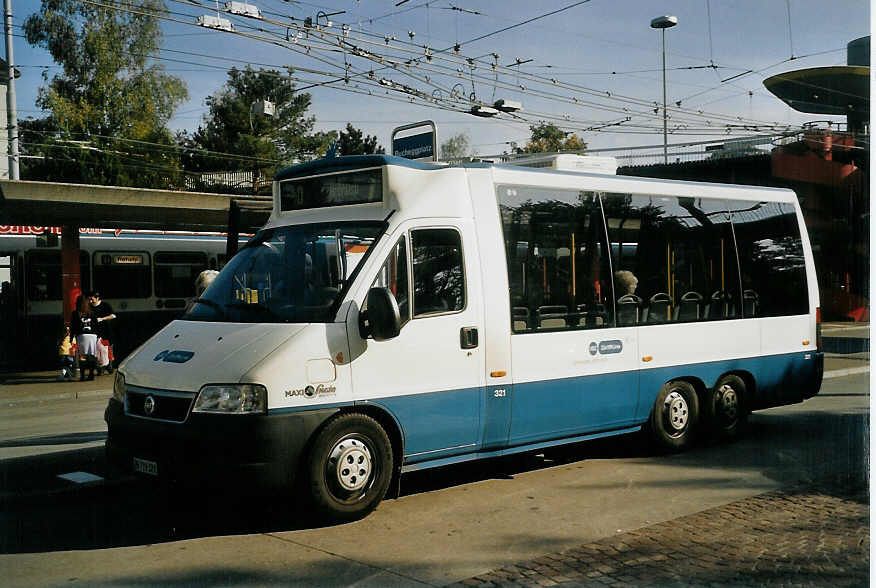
x,y
829,168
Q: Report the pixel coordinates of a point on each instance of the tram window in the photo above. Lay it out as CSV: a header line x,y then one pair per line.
x,y
771,258
122,274
558,264
176,272
43,274
674,258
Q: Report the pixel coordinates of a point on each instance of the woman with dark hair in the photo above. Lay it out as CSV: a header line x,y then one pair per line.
x,y
82,325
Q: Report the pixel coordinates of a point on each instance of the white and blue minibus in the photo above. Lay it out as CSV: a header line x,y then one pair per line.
x,y
394,316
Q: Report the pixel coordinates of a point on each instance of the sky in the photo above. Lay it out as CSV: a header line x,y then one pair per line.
x,y
603,56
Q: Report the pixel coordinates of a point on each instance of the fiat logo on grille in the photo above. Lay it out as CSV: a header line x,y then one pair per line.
x,y
149,405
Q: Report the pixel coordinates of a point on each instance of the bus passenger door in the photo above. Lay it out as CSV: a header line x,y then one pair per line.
x,y
430,377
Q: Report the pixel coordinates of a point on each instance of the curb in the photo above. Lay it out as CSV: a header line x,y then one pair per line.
x,y
846,372
63,396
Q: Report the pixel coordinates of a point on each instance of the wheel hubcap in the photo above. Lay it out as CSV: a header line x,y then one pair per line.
x,y
352,463
676,411
728,402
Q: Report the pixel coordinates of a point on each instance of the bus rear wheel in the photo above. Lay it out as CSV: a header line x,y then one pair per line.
x,y
675,416
725,407
350,467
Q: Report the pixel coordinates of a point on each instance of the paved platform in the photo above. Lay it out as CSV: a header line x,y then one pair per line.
x,y
809,535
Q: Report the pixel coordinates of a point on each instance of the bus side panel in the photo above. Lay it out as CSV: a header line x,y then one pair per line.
x,y
779,379
772,350
690,350
572,382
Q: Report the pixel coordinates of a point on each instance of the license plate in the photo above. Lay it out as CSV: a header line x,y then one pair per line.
x,y
144,466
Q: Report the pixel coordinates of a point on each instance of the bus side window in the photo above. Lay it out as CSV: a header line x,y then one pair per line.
x,y
558,260
674,258
393,274
771,258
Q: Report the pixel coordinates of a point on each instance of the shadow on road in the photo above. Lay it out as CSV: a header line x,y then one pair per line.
x,y
846,345
14,379
786,448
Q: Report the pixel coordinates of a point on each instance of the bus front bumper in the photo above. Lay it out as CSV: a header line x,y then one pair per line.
x,y
250,450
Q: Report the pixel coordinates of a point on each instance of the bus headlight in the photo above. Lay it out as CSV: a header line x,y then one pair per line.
x,y
119,387
232,399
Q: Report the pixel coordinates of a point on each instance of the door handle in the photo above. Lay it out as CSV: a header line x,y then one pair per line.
x,y
468,337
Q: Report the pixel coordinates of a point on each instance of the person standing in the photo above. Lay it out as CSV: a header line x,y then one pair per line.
x,y
65,351
104,316
82,327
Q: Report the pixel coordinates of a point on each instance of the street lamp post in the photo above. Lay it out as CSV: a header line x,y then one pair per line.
x,y
663,23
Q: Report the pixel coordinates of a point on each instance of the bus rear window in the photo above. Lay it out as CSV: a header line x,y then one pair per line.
x,y
340,189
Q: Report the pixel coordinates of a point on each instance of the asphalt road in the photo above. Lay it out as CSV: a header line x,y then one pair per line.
x,y
450,524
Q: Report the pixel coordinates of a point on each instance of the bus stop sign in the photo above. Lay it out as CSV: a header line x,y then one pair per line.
x,y
420,146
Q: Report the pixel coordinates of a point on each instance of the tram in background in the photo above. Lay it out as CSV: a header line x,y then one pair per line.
x,y
147,276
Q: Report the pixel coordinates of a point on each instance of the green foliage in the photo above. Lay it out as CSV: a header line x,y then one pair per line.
x,y
351,141
109,100
547,137
231,126
456,147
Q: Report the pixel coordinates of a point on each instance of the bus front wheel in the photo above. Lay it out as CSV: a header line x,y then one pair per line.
x,y
675,415
350,467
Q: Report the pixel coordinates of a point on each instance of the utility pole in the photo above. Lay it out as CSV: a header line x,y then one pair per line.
x,y
10,94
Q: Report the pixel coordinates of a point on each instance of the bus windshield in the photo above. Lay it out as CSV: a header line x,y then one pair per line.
x,y
289,274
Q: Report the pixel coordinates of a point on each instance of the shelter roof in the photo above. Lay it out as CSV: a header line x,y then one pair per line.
x,y
114,207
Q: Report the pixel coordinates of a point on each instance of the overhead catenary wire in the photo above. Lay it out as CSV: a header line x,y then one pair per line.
x,y
699,113
326,42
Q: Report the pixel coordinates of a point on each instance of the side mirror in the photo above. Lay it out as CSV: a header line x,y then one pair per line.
x,y
383,317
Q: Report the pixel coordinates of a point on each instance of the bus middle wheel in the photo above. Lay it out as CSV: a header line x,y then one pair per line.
x,y
675,415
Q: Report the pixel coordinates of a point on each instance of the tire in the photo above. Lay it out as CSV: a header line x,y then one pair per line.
x,y
340,492
675,416
725,410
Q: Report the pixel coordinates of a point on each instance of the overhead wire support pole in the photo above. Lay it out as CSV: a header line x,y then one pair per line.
x,y
663,23
665,114
10,93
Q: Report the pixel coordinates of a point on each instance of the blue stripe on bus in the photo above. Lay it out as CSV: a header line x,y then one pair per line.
x,y
413,467
436,424
441,426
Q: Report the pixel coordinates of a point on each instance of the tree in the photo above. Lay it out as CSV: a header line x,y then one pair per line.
x,y
547,137
110,104
456,147
264,141
352,142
